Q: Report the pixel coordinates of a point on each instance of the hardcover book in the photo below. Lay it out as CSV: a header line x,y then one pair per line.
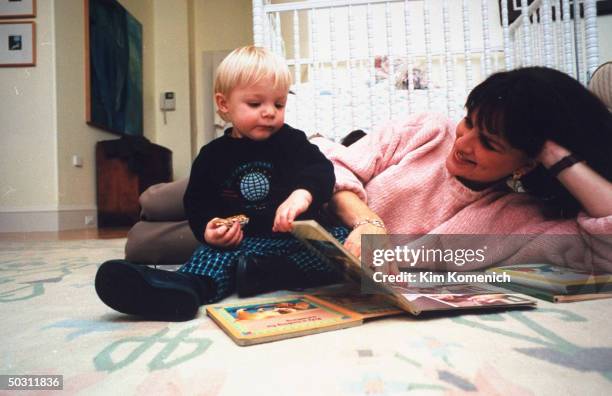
x,y
263,320
557,284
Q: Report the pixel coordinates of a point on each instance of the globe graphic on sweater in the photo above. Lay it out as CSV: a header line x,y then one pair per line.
x,y
254,186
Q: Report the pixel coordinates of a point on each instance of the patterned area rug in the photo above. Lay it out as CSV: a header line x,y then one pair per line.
x,y
55,324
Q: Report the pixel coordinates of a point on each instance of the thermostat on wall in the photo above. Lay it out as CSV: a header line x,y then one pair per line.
x,y
167,101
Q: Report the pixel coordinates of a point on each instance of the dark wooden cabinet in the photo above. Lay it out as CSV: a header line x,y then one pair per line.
x,y
124,169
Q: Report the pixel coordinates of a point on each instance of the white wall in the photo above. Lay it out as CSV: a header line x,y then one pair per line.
x,y
28,154
43,117
218,26
171,66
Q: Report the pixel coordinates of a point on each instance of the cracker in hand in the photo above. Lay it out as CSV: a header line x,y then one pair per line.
x,y
228,222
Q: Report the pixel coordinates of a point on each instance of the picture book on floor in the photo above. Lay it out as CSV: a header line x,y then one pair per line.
x,y
556,284
256,321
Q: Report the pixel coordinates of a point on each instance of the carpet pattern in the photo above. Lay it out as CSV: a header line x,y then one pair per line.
x,y
55,324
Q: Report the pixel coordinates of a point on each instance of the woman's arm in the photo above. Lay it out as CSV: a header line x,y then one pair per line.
x,y
352,210
587,186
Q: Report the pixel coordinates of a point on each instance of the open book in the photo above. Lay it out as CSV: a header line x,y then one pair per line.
x,y
410,299
255,321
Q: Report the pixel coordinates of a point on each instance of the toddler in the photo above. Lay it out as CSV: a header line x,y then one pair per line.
x,y
260,168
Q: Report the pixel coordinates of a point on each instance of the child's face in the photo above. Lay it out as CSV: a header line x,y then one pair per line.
x,y
256,111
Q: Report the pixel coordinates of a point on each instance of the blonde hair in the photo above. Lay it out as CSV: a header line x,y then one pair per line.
x,y
248,65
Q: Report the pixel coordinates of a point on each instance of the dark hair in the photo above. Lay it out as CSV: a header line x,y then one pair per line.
x,y
530,105
352,137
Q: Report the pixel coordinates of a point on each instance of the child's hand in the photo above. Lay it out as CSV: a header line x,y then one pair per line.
x,y
294,205
221,235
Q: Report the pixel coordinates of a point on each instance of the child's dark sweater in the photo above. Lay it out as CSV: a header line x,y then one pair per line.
x,y
233,176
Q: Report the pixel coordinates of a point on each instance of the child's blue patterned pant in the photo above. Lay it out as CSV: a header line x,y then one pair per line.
x,y
220,264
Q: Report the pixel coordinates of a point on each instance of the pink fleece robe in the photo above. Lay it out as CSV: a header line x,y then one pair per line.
x,y
400,172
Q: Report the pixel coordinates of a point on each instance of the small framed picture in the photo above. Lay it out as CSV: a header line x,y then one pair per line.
x,y
17,8
17,44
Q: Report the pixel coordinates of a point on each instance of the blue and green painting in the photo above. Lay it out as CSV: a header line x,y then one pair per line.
x,y
115,68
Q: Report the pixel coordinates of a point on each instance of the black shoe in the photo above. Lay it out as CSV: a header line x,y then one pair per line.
x,y
148,292
257,275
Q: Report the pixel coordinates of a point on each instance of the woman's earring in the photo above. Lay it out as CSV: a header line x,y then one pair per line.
x,y
515,183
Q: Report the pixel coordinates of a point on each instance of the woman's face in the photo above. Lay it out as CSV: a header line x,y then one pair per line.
x,y
480,157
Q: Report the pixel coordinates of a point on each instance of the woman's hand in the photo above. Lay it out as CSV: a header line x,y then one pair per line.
x,y
551,153
221,236
294,205
353,241
353,245
351,210
592,190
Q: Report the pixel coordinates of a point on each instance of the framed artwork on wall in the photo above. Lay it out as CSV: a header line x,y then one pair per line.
x,y
17,8
113,58
17,44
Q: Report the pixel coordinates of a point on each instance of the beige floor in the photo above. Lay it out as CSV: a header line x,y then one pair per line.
x,y
89,233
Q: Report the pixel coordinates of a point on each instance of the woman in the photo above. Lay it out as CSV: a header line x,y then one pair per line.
x,y
535,126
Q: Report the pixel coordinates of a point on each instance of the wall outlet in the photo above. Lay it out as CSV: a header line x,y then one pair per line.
x,y
89,220
77,161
